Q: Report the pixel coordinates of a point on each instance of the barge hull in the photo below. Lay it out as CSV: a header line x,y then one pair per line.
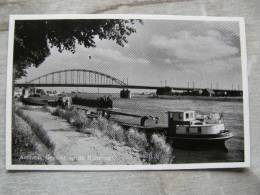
x,y
200,142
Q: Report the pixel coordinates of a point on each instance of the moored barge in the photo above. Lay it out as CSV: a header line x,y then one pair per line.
x,y
183,126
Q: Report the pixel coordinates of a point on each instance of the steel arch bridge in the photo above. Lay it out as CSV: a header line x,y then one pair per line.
x,y
90,78
76,77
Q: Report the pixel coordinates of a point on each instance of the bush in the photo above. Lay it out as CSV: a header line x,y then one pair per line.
x,y
100,123
92,131
79,119
59,112
18,110
109,129
115,132
21,141
45,108
136,140
73,116
160,152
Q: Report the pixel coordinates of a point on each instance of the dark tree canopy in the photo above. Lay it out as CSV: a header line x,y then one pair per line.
x,y
34,37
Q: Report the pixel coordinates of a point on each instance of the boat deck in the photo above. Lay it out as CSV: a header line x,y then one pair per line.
x,y
146,128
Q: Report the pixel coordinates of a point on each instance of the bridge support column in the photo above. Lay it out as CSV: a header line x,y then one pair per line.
x,y
125,93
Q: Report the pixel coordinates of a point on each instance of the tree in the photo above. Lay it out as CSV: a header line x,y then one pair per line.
x,y
33,38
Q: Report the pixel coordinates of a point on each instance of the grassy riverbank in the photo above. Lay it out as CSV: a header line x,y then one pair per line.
x,y
27,146
37,129
152,151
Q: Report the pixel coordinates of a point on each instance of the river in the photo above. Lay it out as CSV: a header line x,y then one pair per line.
x,y
232,112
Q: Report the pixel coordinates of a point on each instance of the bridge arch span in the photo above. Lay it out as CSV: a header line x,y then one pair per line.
x,y
77,76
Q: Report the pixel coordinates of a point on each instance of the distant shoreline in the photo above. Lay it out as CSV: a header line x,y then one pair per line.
x,y
207,98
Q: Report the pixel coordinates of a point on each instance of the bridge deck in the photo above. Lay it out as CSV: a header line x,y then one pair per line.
x,y
114,86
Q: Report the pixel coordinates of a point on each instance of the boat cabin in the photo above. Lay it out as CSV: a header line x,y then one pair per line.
x,y
185,123
181,116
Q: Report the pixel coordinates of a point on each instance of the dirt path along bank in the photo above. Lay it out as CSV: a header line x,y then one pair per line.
x,y
74,148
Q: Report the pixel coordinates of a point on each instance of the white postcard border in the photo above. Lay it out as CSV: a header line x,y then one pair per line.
x,y
9,91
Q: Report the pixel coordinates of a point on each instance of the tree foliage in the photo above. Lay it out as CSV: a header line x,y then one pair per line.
x,y
33,38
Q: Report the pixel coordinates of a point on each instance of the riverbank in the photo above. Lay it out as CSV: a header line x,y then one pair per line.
x,y
74,148
151,150
206,98
27,148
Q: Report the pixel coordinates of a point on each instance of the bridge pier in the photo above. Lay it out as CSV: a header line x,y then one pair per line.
x,y
125,93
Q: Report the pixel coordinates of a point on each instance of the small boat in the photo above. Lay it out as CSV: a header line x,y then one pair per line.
x,y
36,101
189,127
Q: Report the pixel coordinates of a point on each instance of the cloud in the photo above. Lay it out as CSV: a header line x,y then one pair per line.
x,y
189,47
167,61
216,66
117,56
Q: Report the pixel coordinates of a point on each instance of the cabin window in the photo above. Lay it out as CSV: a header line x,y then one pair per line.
x,y
191,115
180,116
199,130
170,115
187,115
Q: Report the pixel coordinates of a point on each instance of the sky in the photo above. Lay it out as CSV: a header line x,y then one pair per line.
x,y
180,52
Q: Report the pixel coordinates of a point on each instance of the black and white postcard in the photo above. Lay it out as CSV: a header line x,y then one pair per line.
x,y
126,92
